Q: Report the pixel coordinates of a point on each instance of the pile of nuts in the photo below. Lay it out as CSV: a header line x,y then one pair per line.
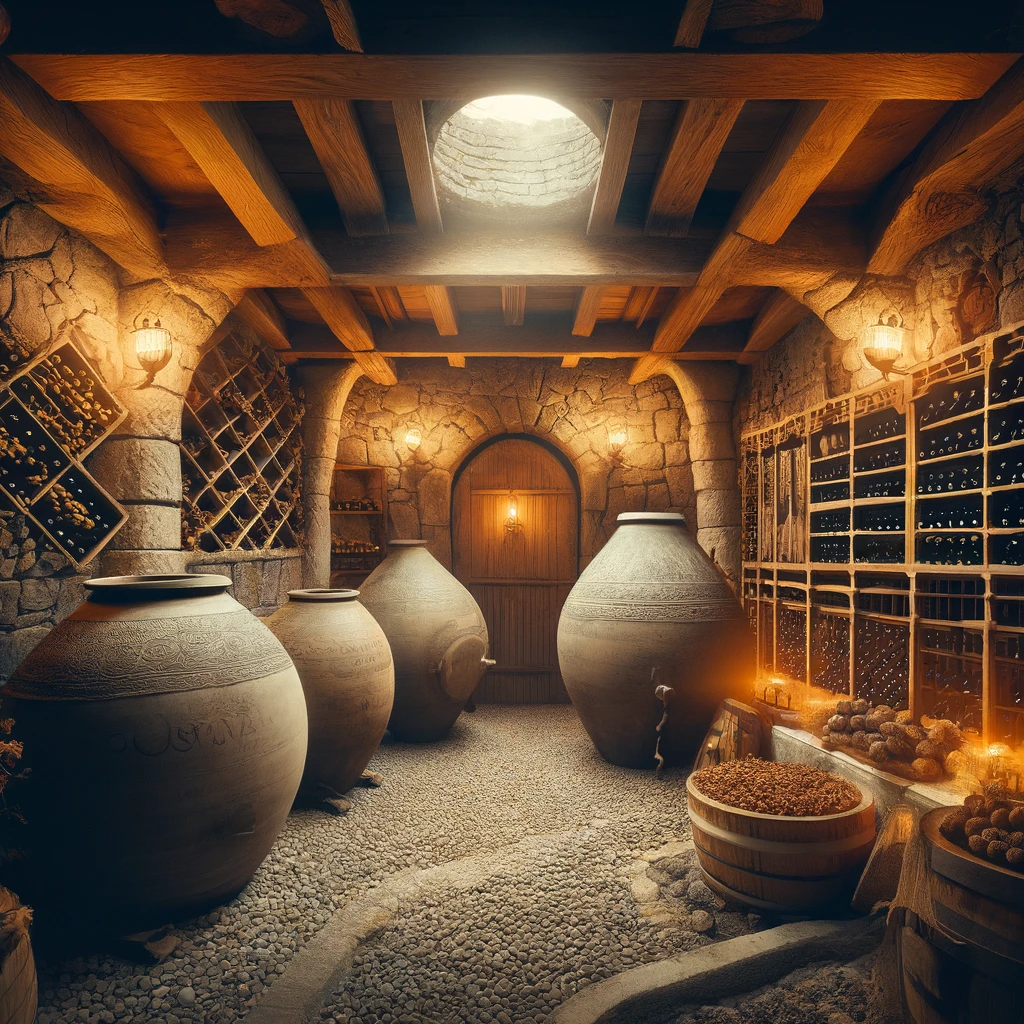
x,y
777,787
884,734
990,825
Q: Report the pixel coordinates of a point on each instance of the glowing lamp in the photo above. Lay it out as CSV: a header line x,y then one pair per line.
x,y
512,523
882,344
617,438
413,437
153,348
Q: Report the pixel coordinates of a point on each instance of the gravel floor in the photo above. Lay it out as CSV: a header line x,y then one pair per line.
x,y
557,914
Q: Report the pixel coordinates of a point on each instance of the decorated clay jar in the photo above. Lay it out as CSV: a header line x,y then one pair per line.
x,y
348,677
651,610
438,639
165,729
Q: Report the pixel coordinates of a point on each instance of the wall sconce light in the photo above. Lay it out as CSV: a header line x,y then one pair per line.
x,y
882,344
513,523
617,438
413,437
153,348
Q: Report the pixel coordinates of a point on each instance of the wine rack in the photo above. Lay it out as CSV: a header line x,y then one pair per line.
x,y
54,411
241,451
359,516
915,523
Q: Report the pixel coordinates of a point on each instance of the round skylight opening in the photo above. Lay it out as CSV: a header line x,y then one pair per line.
x,y
515,151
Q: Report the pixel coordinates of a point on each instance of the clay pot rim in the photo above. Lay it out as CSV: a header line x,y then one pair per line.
x,y
662,518
155,587
323,594
407,543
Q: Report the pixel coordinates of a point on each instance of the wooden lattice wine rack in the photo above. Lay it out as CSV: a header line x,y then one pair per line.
x,y
54,411
241,451
883,541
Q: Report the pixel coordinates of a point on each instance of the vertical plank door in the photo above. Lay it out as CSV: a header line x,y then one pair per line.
x,y
520,577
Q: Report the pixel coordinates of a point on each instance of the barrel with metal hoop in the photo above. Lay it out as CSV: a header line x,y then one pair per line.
x,y
781,863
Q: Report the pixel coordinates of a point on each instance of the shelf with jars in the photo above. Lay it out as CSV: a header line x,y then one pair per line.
x,y
54,411
915,498
241,451
358,523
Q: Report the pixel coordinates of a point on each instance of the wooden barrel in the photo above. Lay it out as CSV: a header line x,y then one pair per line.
x,y
780,863
18,990
969,966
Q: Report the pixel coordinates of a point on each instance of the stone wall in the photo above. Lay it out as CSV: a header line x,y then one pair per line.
x,y
54,285
261,579
457,409
964,286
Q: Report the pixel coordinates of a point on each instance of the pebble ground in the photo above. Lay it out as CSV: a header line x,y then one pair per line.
x,y
558,912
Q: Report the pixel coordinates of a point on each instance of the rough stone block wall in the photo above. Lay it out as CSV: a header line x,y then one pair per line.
x,y
964,286
458,408
261,584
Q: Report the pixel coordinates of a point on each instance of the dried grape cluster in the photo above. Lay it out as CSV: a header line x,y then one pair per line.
x,y
885,734
990,825
777,787
72,511
78,406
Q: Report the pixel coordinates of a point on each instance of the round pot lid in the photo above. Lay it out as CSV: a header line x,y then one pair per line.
x,y
462,667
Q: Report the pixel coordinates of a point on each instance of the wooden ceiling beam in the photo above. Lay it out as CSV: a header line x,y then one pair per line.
x,y
941,190
441,300
457,362
692,23
653,76
259,311
513,304
84,183
346,320
699,133
419,170
570,362
333,129
343,24
220,141
618,148
779,315
588,304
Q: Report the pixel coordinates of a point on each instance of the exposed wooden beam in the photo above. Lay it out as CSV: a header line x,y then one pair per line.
x,y
779,315
940,191
276,18
441,300
547,335
513,304
84,182
699,133
808,146
337,139
758,21
588,304
618,148
692,23
457,362
347,322
638,304
343,24
412,136
390,303
218,138
570,362
654,76
257,309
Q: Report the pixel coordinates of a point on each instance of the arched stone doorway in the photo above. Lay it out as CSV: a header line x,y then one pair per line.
x,y
515,545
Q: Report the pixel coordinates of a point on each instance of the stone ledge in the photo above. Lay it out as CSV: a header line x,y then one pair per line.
x,y
888,790
655,992
231,557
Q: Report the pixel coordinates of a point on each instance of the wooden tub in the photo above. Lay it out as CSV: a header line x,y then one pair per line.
x,y
968,968
780,863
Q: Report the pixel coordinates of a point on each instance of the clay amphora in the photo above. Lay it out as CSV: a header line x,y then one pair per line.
x,y
348,677
165,729
652,610
438,639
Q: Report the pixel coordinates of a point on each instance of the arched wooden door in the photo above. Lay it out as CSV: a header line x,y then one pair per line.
x,y
520,572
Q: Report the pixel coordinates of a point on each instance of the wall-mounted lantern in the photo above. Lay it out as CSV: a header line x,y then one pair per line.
x,y
882,343
413,437
513,524
617,438
153,348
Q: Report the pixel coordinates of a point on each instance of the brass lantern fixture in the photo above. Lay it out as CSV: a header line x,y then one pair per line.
x,y
153,348
882,343
513,524
617,438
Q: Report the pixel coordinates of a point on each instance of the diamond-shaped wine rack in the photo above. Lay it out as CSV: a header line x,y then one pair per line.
x,y
54,411
241,452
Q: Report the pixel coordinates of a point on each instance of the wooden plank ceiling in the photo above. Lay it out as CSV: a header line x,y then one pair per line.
x,y
300,175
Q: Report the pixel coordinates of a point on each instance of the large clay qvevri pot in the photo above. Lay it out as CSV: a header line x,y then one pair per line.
x,y
165,729
652,610
348,677
438,639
